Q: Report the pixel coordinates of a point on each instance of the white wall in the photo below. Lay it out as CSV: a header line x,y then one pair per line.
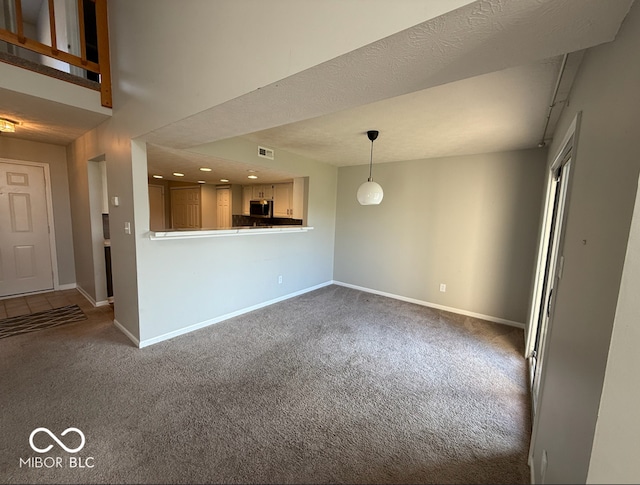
x,y
55,157
614,457
202,279
599,216
234,47
469,222
157,49
44,32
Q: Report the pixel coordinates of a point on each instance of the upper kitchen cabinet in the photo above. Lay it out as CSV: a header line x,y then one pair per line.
x,y
283,200
262,191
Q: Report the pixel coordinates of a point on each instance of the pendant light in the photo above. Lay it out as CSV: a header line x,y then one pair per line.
x,y
370,193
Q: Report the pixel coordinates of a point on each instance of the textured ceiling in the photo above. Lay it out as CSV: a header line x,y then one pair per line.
x,y
483,37
478,79
500,111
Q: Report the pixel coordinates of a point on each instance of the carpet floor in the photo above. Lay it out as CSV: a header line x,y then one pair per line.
x,y
333,386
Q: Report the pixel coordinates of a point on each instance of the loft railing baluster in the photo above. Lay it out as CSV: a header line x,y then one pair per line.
x,y
52,28
101,67
104,59
83,38
19,22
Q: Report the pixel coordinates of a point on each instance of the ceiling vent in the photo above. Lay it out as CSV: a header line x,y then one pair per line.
x,y
265,152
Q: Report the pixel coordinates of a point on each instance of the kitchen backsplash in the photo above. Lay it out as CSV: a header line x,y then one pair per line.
x,y
240,220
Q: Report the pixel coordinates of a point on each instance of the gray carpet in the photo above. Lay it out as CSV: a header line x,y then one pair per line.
x,y
334,386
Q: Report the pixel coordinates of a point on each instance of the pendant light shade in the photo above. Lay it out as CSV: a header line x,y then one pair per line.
x,y
370,192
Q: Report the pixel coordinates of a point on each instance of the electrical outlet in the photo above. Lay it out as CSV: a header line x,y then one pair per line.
x,y
280,279
443,287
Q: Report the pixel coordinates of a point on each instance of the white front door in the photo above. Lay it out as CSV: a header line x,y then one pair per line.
x,y
25,251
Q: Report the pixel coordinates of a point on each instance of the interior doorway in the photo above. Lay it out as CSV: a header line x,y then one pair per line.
x,y
27,247
550,262
223,201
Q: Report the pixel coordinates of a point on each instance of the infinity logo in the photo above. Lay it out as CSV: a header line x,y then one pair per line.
x,y
54,437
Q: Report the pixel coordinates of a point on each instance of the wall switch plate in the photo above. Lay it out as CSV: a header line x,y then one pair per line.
x,y
127,228
443,287
115,201
280,279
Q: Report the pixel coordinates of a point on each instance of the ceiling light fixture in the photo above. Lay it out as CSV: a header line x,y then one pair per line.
x,y
201,182
158,177
7,126
205,169
252,176
370,193
224,180
178,174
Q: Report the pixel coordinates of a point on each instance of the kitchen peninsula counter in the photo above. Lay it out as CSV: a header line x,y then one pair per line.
x,y
232,231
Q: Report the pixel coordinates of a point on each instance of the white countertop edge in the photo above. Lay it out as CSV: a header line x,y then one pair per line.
x,y
164,235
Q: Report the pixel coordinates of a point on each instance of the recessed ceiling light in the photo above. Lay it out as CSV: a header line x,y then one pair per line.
x,y
252,176
252,171
224,180
205,169
158,176
178,174
201,182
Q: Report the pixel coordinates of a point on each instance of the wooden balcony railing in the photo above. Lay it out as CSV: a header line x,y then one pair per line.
x,y
101,67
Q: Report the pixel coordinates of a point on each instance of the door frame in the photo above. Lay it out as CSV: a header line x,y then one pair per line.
x,y
568,144
50,220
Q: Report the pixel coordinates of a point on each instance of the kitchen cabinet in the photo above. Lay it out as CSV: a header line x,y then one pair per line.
x,y
247,195
249,192
283,200
263,192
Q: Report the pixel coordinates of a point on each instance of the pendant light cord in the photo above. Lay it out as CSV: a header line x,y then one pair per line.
x,y
371,163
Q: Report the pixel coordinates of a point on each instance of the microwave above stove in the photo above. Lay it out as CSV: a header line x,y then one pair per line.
x,y
261,208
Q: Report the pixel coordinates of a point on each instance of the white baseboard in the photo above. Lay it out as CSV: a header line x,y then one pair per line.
x,y
434,305
90,299
212,321
68,286
126,332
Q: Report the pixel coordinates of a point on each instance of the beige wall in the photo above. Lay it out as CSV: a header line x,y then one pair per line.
x,y
605,177
55,156
469,222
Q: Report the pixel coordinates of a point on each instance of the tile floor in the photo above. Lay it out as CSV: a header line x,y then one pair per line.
x,y
25,305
